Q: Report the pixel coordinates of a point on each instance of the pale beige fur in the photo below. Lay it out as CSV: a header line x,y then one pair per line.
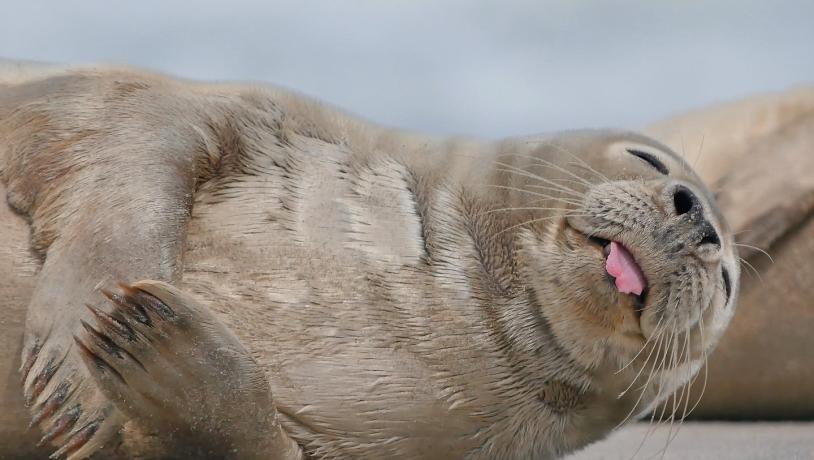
x,y
402,296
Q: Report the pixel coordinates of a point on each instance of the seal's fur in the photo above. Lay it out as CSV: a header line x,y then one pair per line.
x,y
404,296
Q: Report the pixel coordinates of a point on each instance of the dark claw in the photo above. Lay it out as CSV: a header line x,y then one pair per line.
x,y
42,380
78,439
109,322
94,359
150,301
30,360
102,341
126,304
63,424
53,403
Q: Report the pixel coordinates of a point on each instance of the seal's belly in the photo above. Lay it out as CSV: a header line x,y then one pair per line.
x,y
342,373
319,277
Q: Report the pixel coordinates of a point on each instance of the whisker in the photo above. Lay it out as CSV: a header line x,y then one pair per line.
x,y
679,395
556,186
754,270
577,158
742,245
545,187
644,387
542,162
560,180
522,208
668,364
706,364
683,394
542,199
577,179
690,374
641,349
652,426
700,151
588,168
650,430
741,232
529,192
531,221
644,366
523,173
683,154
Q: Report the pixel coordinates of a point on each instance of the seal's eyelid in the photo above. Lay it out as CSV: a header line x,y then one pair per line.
x,y
651,159
727,284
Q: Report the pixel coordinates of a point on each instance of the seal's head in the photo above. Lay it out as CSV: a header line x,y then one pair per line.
x,y
630,259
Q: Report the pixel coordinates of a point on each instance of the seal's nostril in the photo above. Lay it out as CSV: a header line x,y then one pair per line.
x,y
684,200
686,203
710,236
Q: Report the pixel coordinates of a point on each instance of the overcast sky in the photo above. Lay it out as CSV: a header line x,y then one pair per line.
x,y
482,68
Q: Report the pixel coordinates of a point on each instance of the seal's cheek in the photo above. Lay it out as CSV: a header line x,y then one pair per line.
x,y
576,276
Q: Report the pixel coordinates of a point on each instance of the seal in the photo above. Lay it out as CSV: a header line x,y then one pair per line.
x,y
756,154
318,286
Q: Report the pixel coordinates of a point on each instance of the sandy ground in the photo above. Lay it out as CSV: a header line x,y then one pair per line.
x,y
707,440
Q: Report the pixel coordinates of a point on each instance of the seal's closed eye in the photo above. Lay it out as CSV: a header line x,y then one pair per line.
x,y
650,159
727,284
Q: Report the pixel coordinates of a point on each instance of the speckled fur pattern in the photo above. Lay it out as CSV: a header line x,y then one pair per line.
x,y
403,297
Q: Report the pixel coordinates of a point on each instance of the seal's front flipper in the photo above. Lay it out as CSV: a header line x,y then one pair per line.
x,y
168,363
104,163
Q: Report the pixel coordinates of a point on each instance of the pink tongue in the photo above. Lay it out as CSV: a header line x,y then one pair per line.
x,y
622,266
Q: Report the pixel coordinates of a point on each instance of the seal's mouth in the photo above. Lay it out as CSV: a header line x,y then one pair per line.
x,y
623,268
